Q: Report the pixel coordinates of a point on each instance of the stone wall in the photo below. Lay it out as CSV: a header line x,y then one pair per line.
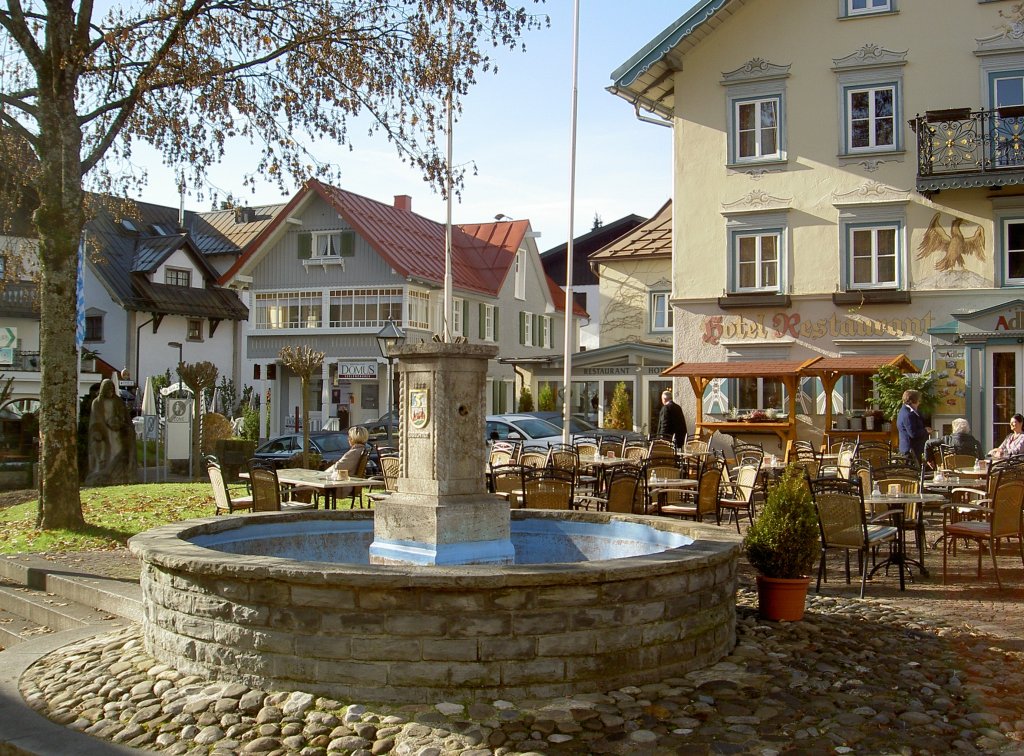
x,y
422,634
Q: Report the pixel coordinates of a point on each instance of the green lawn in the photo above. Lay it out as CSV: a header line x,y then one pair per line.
x,y
113,514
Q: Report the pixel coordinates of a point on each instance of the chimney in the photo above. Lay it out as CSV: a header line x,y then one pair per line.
x,y
245,214
403,202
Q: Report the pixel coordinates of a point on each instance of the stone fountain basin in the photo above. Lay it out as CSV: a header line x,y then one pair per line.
x,y
289,601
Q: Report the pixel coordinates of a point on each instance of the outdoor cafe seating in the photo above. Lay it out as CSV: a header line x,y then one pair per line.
x,y
1004,521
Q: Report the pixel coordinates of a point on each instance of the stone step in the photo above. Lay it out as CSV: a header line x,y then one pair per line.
x,y
122,598
15,629
49,609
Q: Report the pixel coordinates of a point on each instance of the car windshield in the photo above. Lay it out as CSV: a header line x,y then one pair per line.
x,y
331,443
581,425
535,427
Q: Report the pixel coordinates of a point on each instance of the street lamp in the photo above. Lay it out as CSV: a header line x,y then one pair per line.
x,y
388,338
176,345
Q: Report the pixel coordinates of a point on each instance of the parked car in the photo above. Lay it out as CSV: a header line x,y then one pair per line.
x,y
522,427
380,425
330,445
580,426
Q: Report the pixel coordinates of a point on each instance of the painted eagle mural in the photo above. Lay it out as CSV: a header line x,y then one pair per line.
x,y
952,246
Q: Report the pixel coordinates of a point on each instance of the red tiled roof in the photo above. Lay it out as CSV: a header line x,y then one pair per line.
x,y
861,364
558,297
754,368
413,245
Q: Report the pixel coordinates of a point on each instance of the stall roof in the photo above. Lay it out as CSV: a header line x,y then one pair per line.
x,y
754,368
860,365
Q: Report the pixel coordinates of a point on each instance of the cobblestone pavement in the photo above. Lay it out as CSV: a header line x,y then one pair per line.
x,y
932,669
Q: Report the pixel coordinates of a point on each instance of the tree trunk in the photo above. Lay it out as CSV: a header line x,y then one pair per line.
x,y
59,219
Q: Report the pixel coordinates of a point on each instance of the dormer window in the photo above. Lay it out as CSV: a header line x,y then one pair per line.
x,y
159,230
127,225
177,277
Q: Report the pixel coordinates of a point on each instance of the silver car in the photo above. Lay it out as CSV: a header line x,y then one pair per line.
x,y
526,428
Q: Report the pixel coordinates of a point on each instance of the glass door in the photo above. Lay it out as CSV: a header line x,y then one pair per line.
x,y
1006,376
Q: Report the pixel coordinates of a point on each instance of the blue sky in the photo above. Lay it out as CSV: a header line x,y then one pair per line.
x,y
516,129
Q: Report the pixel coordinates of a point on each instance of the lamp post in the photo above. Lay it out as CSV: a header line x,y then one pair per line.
x,y
177,345
389,337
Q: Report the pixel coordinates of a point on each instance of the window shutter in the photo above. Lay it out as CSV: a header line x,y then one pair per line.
x,y
305,242
538,335
465,317
348,244
494,319
522,328
480,322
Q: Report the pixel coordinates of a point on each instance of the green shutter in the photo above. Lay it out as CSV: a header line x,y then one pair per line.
x,y
348,244
465,318
480,319
522,328
494,317
305,245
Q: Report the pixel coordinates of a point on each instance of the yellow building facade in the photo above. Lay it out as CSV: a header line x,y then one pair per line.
x,y
849,180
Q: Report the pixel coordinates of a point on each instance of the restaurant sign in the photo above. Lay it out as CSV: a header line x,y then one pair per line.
x,y
357,371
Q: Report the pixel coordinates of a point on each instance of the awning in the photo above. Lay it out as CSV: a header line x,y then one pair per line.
x,y
751,369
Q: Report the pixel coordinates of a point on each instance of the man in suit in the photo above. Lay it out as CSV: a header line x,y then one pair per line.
x,y
671,422
910,425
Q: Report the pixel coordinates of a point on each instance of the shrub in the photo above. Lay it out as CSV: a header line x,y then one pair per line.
x,y
620,416
783,542
526,400
546,399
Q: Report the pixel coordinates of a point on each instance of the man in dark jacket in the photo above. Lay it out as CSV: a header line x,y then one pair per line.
x,y
671,423
910,425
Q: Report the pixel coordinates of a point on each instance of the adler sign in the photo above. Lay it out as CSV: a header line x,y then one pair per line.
x,y
357,371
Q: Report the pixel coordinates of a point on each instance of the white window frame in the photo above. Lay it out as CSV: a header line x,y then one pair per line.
x,y
756,82
758,130
869,69
1004,245
458,327
871,7
873,227
661,314
377,305
329,245
419,309
286,310
873,119
758,235
546,332
489,334
520,274
528,329
740,223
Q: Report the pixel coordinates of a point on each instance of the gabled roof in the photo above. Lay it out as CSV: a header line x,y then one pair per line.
x,y
646,79
652,238
124,255
582,247
482,253
751,369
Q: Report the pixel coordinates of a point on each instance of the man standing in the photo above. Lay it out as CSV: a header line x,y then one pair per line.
x,y
910,425
671,423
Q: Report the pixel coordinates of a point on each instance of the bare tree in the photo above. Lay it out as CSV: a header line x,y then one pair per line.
x,y
78,89
304,362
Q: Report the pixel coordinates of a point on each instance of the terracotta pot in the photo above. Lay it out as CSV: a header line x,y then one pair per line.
x,y
781,598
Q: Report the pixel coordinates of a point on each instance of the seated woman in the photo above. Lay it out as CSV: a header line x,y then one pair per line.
x,y
1013,444
349,462
960,441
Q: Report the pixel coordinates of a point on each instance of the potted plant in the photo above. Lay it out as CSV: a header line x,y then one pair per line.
x,y
782,545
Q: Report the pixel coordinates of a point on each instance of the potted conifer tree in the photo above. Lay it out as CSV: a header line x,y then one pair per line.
x,y
782,545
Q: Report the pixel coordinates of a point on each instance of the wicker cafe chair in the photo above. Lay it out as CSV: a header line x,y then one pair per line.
x,y
694,445
390,468
953,461
635,451
534,456
611,446
508,482
266,489
704,501
503,452
624,494
548,489
739,497
660,449
1005,521
843,524
876,453
225,504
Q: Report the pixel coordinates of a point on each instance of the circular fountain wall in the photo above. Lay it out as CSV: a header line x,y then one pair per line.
x,y
289,601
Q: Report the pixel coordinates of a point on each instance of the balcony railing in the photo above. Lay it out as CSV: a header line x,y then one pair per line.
x,y
963,148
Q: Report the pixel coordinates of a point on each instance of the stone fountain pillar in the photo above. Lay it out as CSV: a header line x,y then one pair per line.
x,y
441,513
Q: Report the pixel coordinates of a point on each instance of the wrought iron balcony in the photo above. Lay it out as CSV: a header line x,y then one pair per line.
x,y
962,148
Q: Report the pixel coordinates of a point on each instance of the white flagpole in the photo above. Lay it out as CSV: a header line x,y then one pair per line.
x,y
569,320
448,297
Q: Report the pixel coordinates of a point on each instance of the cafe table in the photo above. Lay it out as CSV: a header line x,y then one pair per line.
x,y
321,482
897,504
659,487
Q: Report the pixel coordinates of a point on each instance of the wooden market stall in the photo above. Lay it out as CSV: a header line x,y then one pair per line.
x,y
830,369
700,374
